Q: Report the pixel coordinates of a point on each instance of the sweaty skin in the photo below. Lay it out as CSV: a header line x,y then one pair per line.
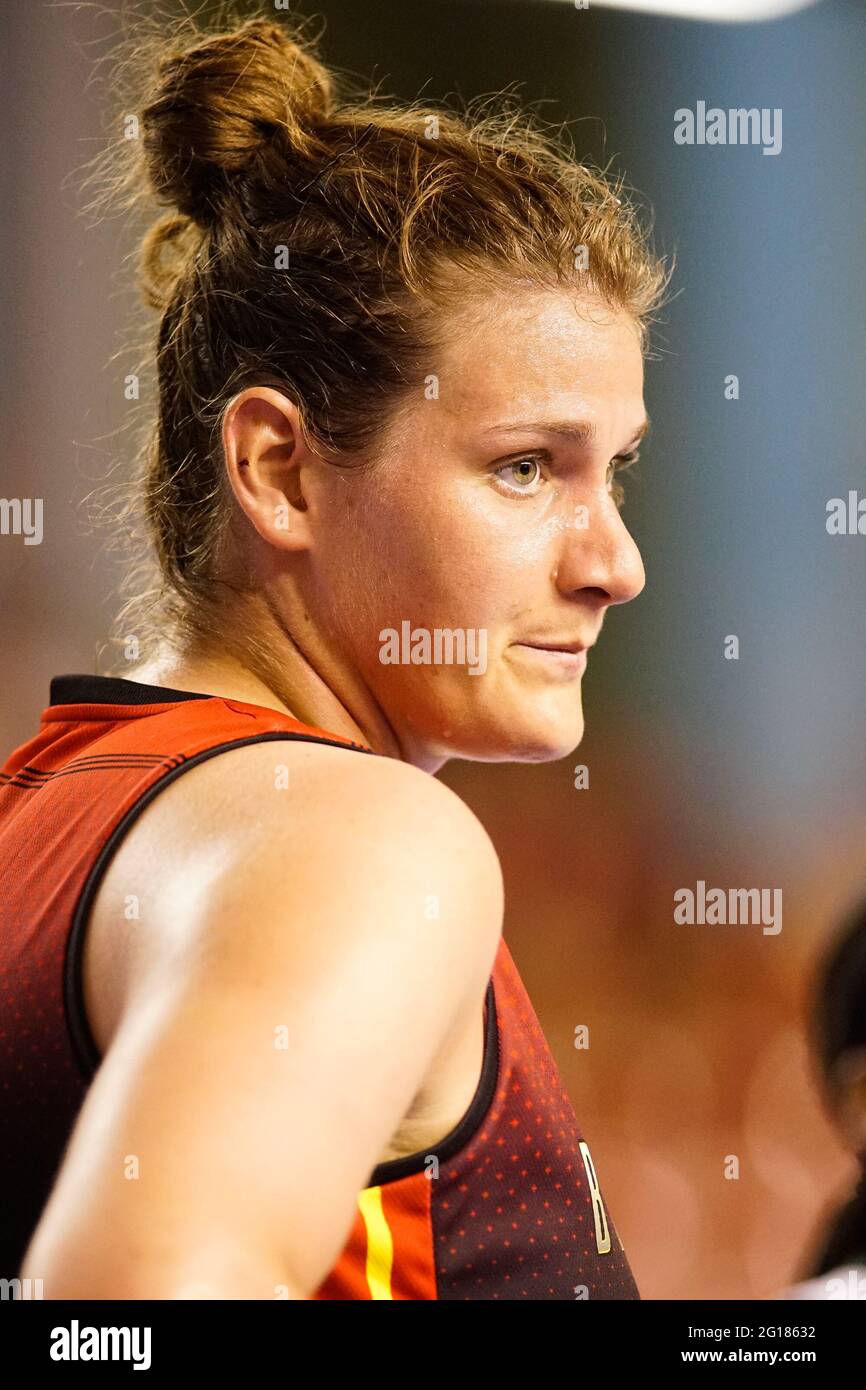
x,y
460,525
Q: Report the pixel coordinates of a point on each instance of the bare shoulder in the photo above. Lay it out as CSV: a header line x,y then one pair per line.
x,y
310,847
311,925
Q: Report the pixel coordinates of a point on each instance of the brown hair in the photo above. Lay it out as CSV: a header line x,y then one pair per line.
x,y
321,246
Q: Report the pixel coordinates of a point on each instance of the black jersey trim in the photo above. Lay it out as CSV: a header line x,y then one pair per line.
x,y
469,1124
32,779
85,1050
114,690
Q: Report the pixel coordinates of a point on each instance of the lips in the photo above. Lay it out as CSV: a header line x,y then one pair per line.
x,y
574,647
561,660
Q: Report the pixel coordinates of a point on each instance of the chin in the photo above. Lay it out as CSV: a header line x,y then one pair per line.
x,y
549,746
521,740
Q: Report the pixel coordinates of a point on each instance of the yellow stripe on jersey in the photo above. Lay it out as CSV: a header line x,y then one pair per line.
x,y
380,1246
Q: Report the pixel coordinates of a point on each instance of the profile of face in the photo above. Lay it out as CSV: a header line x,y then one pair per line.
x,y
490,516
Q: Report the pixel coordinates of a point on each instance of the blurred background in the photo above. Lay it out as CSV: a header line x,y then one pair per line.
x,y
742,773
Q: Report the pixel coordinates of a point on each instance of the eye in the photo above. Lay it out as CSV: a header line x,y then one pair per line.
x,y
618,465
530,462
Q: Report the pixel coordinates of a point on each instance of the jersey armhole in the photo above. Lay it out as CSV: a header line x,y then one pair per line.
x,y
457,1138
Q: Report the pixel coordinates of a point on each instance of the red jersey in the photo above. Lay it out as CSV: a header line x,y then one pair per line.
x,y
508,1204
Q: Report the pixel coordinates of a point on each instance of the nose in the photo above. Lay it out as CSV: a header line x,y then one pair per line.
x,y
598,552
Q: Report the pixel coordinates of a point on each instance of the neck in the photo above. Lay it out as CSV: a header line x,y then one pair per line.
x,y
273,672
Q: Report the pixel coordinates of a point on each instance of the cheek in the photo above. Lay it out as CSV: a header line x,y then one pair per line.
x,y
430,558
462,557
507,563
452,576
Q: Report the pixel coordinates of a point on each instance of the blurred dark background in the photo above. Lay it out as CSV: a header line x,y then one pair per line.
x,y
747,773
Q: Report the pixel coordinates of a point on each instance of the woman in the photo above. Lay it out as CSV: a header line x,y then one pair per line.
x,y
400,361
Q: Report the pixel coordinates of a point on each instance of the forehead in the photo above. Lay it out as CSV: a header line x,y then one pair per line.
x,y
542,350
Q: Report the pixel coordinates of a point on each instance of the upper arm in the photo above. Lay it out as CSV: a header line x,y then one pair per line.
x,y
294,983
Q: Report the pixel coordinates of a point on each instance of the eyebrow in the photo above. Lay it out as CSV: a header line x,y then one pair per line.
x,y
579,431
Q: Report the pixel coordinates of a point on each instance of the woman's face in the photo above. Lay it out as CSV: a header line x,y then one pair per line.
x,y
491,517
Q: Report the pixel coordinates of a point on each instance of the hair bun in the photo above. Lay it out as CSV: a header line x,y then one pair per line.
x,y
216,105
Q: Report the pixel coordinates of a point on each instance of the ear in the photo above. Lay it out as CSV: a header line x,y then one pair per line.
x,y
849,1086
265,455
